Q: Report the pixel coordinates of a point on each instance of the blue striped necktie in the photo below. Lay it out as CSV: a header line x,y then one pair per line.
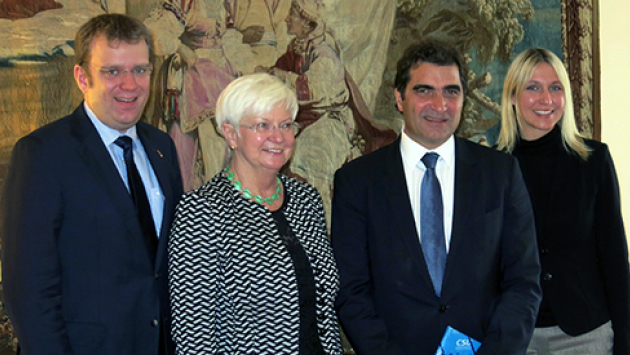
x,y
432,222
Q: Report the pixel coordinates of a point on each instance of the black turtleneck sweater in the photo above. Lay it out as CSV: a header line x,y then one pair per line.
x,y
537,159
582,245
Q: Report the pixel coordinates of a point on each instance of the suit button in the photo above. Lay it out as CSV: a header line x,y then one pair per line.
x,y
157,276
547,277
544,251
443,308
154,322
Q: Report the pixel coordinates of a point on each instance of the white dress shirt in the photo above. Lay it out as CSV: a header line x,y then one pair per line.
x,y
412,152
151,185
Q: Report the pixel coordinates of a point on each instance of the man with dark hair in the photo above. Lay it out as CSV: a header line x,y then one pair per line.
x,y
87,207
433,230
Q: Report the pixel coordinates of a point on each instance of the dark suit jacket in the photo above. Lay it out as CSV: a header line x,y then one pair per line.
x,y
490,291
78,277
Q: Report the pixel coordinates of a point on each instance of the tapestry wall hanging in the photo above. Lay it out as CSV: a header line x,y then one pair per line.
x,y
351,110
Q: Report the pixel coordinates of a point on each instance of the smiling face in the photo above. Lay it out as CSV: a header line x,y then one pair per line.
x,y
117,102
432,104
541,104
257,152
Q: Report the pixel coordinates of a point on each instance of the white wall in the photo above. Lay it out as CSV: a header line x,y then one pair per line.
x,y
615,81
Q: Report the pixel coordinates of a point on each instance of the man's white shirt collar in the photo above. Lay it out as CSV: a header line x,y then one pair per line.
x,y
412,151
108,134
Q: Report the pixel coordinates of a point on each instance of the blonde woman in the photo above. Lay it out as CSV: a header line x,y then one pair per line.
x,y
575,196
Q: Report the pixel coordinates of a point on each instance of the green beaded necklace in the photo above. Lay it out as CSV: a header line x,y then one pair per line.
x,y
248,194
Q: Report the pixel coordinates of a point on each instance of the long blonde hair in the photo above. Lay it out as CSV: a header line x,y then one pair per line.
x,y
518,76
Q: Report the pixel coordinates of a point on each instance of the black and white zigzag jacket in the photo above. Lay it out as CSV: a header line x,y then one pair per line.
x,y
232,282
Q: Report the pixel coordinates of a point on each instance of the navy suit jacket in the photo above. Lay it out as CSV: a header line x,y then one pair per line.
x,y
78,277
490,290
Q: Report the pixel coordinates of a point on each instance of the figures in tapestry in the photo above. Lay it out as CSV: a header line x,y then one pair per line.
x,y
336,125
260,24
206,44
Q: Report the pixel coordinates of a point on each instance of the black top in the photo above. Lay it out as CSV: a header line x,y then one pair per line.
x,y
309,338
537,159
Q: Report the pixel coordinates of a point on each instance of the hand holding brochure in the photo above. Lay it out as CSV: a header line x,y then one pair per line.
x,y
455,342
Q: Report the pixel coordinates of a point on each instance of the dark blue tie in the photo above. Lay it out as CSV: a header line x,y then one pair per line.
x,y
138,194
432,222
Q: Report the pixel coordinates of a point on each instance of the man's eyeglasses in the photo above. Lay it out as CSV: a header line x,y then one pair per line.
x,y
264,128
115,73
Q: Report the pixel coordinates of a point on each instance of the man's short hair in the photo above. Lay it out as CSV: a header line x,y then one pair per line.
x,y
432,51
115,27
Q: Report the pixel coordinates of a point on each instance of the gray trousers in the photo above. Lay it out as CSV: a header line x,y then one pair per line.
x,y
553,341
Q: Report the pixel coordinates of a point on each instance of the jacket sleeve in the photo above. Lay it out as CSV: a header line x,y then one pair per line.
x,y
193,272
32,208
512,323
355,305
612,250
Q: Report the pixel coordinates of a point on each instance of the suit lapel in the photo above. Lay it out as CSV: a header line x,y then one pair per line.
x,y
467,176
397,195
99,162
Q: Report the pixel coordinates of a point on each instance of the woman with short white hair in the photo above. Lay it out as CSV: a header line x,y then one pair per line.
x,y
251,268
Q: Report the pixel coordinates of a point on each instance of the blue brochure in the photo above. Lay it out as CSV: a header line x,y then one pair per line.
x,y
455,342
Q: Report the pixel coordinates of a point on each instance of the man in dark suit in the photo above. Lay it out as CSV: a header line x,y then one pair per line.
x,y
400,286
84,261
